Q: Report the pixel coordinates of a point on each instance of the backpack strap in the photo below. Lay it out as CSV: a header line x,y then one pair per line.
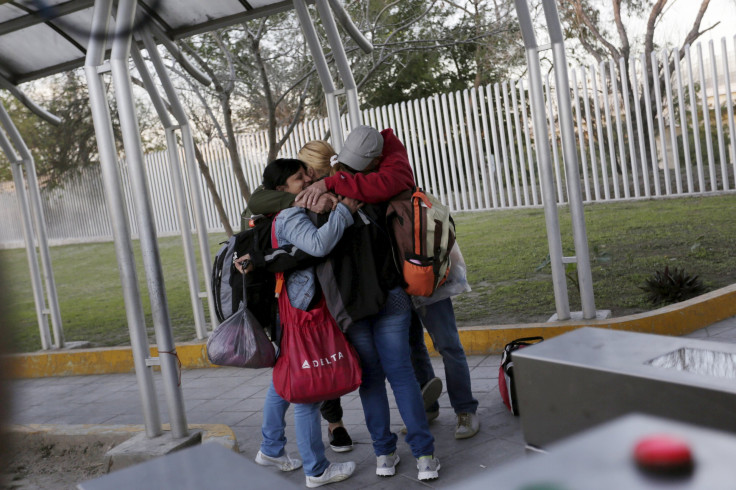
x,y
275,244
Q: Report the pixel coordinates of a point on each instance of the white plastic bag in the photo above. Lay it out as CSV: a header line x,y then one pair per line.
x,y
456,283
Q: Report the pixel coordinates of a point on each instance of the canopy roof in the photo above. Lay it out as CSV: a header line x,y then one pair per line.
x,y
43,37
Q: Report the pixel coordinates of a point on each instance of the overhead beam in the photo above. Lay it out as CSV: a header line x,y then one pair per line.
x,y
35,18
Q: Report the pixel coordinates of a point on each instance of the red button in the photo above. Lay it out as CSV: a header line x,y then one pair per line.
x,y
663,453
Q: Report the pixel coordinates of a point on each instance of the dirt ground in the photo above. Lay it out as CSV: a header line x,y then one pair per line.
x,y
36,462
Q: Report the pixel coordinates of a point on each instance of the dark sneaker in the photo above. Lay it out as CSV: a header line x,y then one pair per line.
x,y
431,391
467,425
386,465
340,440
429,468
334,473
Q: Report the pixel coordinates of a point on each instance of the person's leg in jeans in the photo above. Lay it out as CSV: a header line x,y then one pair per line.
x,y
439,320
309,438
372,390
423,370
391,340
272,428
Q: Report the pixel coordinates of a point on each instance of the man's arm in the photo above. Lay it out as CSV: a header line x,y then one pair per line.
x,y
393,175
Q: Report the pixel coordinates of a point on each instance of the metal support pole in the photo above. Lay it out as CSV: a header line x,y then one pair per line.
x,y
146,225
541,135
567,130
32,106
333,109
93,69
20,192
343,67
178,188
195,189
34,198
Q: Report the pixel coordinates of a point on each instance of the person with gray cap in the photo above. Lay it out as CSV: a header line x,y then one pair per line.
x,y
383,171
365,150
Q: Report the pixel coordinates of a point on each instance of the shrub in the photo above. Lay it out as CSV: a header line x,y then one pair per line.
x,y
667,287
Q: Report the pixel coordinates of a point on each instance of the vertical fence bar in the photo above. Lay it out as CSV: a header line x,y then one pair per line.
x,y
619,130
581,141
650,126
476,148
729,105
591,138
487,164
694,116
496,148
662,130
519,144
719,116
453,151
480,163
527,140
609,127
464,117
624,76
512,150
673,129
706,120
683,123
553,139
502,133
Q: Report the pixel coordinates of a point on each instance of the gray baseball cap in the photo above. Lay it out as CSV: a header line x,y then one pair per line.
x,y
362,145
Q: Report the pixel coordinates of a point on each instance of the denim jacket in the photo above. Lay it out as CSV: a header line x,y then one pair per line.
x,y
293,227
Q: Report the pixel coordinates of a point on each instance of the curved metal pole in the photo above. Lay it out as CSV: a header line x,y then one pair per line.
x,y
541,134
176,53
178,188
93,68
347,23
34,108
343,67
20,191
38,217
146,225
333,110
195,189
567,129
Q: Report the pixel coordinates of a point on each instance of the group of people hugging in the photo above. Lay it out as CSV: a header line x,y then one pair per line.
x,y
350,191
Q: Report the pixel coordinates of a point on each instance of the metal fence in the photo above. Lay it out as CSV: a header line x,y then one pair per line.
x,y
475,149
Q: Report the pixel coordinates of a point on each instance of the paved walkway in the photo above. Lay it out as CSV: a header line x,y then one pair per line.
x,y
235,397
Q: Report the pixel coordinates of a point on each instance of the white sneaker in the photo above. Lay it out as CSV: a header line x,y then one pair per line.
x,y
334,473
428,467
467,426
386,465
284,463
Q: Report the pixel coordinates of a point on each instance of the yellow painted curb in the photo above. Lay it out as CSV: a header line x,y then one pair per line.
x,y
678,319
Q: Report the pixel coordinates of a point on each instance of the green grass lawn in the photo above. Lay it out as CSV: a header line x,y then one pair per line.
x,y
503,250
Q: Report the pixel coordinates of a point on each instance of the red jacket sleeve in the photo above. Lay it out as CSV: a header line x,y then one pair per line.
x,y
392,176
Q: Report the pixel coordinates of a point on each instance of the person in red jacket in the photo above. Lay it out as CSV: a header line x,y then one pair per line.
x,y
383,171
392,175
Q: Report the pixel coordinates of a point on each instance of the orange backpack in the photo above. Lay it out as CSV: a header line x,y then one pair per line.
x,y
422,235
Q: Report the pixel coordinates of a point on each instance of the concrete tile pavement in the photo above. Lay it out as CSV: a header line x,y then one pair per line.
x,y
235,397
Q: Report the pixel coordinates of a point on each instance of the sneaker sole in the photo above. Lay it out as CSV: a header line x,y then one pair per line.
x,y
466,436
341,449
430,475
431,392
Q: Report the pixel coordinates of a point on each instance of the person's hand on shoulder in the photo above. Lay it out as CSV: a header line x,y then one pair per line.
x,y
352,204
325,203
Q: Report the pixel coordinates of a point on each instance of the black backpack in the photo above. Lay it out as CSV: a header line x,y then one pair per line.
x,y
227,282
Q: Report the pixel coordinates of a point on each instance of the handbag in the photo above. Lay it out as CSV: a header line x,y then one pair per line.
x,y
316,362
240,341
506,371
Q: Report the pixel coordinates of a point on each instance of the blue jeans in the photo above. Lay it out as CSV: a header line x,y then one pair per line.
x,y
439,320
382,342
308,432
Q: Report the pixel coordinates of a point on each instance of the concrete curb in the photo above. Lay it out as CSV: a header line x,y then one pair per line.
x,y
76,433
678,319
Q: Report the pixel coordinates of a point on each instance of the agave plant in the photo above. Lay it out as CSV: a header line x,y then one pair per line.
x,y
667,287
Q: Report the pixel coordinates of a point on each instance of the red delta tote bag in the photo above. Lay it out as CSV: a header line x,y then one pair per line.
x,y
316,362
